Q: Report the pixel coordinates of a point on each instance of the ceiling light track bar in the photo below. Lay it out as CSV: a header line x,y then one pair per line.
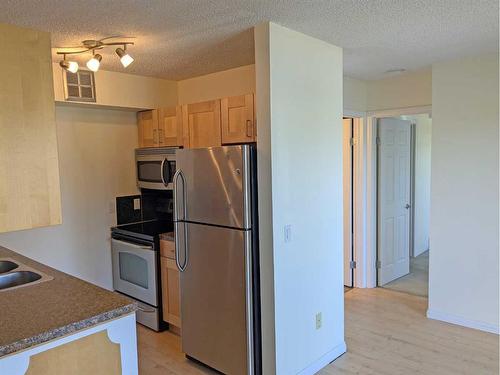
x,y
91,45
90,49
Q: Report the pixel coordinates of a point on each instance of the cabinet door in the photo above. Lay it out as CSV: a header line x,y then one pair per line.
x,y
238,124
170,126
29,170
167,249
201,123
147,123
170,289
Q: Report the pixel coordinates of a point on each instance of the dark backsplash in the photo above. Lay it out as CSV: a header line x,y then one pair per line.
x,y
154,204
125,212
157,204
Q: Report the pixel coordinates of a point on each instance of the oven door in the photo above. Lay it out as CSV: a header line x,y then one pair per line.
x,y
155,172
134,270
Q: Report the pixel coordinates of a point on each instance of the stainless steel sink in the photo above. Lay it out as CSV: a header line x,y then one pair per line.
x,y
7,265
14,274
17,278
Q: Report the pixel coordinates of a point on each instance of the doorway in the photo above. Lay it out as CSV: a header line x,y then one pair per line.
x,y
351,191
403,203
348,143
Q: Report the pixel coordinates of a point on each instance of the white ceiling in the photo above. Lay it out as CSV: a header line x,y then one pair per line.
x,y
177,39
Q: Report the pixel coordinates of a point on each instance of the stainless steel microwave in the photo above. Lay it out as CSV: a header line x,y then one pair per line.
x,y
155,167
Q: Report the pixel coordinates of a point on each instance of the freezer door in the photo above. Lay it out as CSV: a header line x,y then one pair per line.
x,y
213,186
216,298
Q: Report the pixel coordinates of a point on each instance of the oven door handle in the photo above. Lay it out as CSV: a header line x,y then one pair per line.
x,y
130,244
140,308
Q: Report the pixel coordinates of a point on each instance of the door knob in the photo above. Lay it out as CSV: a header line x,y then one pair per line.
x,y
407,206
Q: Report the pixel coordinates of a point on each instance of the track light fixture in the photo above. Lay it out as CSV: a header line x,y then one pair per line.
x,y
70,66
92,46
125,58
94,63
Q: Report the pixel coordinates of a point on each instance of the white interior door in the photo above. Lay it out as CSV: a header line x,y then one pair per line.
x,y
347,177
394,167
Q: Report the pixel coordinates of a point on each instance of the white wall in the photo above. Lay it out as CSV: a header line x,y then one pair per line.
x,y
355,95
232,82
96,160
464,193
410,89
299,117
265,188
121,90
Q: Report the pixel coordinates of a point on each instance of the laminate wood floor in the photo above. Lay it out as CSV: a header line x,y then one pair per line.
x,y
386,333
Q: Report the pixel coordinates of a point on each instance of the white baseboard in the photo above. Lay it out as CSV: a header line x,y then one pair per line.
x,y
324,360
454,319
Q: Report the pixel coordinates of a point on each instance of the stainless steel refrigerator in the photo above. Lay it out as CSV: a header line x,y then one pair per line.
x,y
215,220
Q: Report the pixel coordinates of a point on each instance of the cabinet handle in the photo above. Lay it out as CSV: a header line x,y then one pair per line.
x,y
249,128
155,135
162,136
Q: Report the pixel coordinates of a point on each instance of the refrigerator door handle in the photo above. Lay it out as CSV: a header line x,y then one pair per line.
x,y
181,267
177,247
179,174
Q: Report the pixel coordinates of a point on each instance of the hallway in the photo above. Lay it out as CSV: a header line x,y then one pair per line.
x,y
387,333
417,281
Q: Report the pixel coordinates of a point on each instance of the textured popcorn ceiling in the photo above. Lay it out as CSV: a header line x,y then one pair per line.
x,y
178,39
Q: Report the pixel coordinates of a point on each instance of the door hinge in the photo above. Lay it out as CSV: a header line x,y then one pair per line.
x,y
352,264
379,264
352,141
377,140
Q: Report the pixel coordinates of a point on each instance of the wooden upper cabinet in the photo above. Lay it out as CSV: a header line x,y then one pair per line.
x,y
147,122
202,124
238,123
29,170
160,127
208,124
170,126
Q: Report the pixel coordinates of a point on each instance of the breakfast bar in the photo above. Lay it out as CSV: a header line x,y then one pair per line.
x,y
51,322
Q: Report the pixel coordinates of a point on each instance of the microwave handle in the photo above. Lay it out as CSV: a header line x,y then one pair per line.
x,y
161,171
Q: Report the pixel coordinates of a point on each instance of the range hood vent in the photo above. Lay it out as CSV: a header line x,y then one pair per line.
x,y
79,86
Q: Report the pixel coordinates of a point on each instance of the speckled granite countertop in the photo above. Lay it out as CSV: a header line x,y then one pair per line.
x,y
38,313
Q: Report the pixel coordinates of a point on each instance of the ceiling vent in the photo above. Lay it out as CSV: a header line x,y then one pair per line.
x,y
79,86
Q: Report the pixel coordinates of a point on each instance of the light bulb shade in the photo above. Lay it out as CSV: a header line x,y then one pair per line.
x,y
125,58
94,63
73,66
70,66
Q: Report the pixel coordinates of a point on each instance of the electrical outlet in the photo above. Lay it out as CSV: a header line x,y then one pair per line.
x,y
137,204
287,232
319,320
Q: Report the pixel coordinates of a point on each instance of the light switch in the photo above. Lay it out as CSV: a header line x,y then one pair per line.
x,y
111,206
137,203
319,320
